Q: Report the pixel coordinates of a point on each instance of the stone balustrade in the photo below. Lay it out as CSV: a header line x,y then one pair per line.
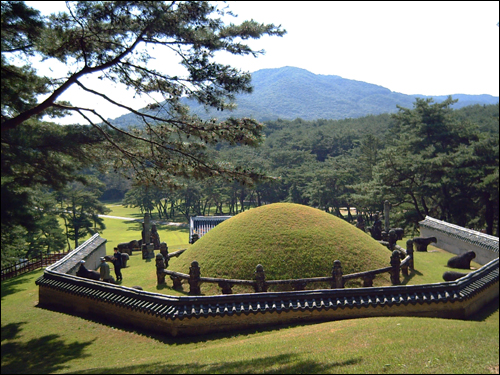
x,y
260,284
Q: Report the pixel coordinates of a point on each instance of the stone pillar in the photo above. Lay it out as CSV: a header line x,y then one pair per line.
x,y
164,250
177,281
387,208
194,278
368,280
125,258
226,287
392,239
299,285
338,282
260,279
396,265
409,251
147,229
160,267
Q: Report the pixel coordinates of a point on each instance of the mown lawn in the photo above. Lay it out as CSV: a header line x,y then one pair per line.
x,y
37,340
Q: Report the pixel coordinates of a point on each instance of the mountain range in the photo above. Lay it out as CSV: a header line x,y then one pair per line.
x,y
290,93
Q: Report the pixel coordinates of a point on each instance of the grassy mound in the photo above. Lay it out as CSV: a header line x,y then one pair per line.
x,y
291,241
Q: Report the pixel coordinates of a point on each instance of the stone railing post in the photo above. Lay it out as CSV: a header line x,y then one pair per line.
x,y
396,265
177,281
226,287
160,267
299,285
338,282
164,250
260,279
409,251
368,280
404,269
194,278
392,238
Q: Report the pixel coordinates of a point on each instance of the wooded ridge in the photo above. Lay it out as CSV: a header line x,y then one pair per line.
x,y
289,93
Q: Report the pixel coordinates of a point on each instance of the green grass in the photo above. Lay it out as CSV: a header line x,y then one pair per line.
x,y
430,266
118,231
37,340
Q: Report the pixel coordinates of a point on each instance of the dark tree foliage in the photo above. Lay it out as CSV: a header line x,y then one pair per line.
x,y
112,40
439,166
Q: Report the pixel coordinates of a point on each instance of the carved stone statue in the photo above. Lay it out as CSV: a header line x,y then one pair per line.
x,y
194,278
421,243
360,222
155,237
376,228
160,266
338,281
400,232
260,279
127,247
392,239
86,273
462,261
164,250
452,275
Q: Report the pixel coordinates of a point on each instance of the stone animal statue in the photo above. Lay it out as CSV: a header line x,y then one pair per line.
x,y
127,247
125,258
462,261
376,229
86,273
452,275
400,232
421,243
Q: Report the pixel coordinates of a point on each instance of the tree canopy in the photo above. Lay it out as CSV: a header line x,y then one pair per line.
x,y
113,41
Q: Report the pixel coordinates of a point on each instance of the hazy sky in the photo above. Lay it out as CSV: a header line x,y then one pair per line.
x,y
429,48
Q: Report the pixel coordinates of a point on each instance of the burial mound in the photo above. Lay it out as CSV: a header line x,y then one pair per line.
x,y
290,240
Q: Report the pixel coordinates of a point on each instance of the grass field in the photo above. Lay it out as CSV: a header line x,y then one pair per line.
x,y
37,340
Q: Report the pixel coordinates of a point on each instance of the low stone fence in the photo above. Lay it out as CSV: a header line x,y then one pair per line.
x,y
195,315
90,251
260,284
59,289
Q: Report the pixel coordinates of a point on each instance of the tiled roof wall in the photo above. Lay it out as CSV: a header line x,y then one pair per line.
x,y
171,307
467,235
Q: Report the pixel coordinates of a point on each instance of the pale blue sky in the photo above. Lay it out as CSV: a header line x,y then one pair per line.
x,y
429,48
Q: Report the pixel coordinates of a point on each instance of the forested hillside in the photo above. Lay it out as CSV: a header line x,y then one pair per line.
x,y
288,93
426,160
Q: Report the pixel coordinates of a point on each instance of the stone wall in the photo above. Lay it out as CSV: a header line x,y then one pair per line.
x,y
459,240
193,315
90,251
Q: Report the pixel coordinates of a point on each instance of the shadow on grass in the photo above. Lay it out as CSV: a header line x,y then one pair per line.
x,y
46,354
11,286
282,364
412,273
179,340
10,331
164,288
487,311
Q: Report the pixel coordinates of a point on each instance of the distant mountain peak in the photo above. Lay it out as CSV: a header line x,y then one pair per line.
x,y
290,92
